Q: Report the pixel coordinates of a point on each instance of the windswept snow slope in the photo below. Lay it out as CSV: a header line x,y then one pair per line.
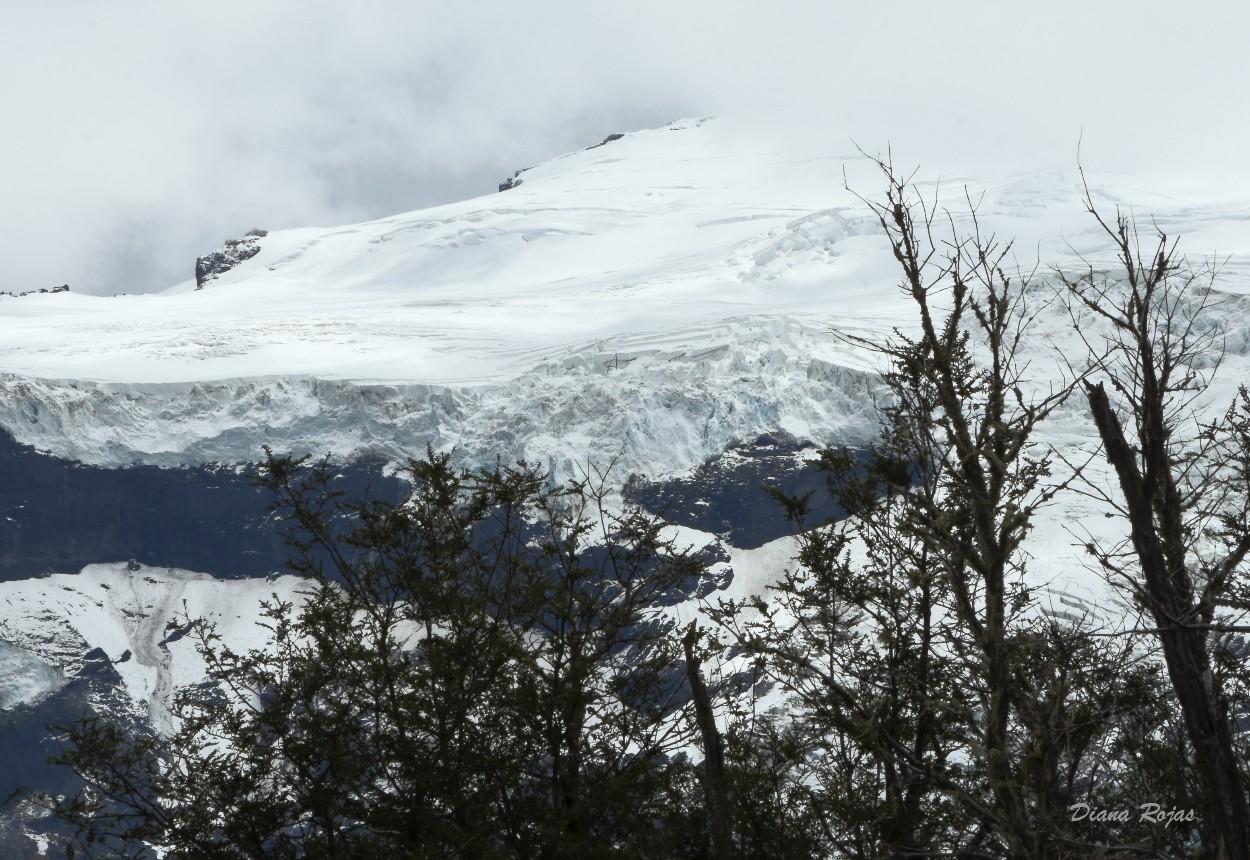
x,y
655,297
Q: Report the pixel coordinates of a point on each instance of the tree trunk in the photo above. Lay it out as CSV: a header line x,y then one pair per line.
x,y
1184,647
713,756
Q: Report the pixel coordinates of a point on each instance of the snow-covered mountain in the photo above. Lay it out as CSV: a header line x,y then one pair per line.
x,y
657,297
671,299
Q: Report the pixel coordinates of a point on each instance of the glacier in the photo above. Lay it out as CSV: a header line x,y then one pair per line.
x,y
651,299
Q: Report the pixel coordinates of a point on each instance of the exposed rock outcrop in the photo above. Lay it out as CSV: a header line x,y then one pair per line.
x,y
608,139
63,288
729,494
513,181
227,257
57,515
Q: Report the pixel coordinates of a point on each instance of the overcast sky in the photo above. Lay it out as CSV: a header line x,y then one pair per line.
x,y
135,136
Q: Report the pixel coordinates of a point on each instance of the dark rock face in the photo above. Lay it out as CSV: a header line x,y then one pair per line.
x,y
58,516
608,139
728,495
63,288
227,257
513,181
25,745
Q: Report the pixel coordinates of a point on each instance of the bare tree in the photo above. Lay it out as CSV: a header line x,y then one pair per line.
x,y
909,635
1184,488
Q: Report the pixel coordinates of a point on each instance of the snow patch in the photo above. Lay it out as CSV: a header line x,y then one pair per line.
x,y
24,678
55,621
